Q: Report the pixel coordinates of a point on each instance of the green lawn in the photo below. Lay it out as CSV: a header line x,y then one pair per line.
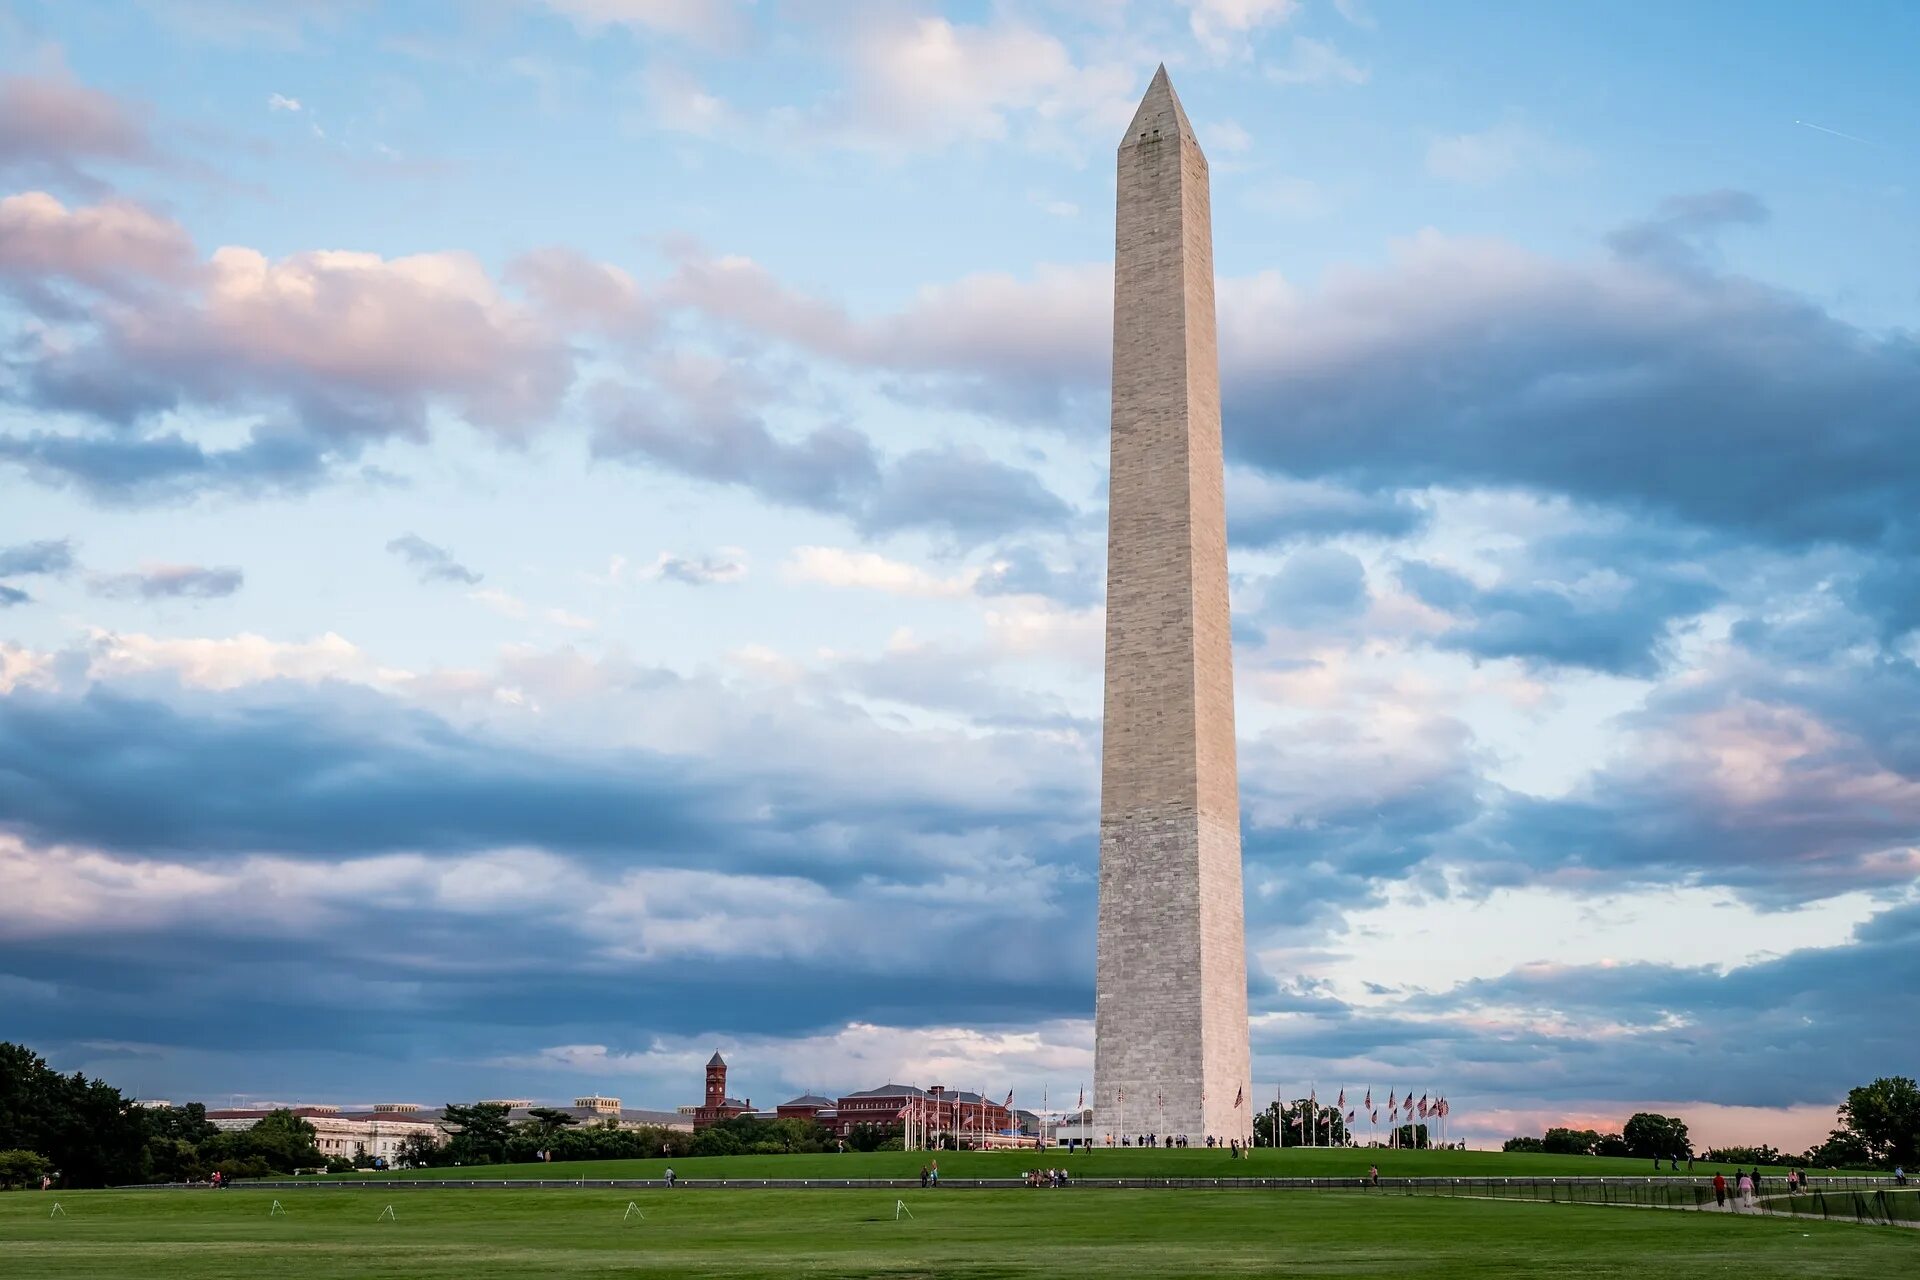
x,y
1057,1235
1308,1162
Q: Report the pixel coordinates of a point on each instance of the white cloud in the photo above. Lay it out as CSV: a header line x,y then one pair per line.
x,y
504,603
22,668
1515,929
112,245
1356,13
928,81
1315,62
677,100
1494,153
1053,1059
237,660
867,570
280,102
1223,27
710,22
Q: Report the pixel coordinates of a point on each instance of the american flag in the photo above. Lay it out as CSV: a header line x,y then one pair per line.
x,y
1373,1117
1368,1103
1082,1104
1423,1108
1009,1103
1342,1101
1349,1117
1239,1095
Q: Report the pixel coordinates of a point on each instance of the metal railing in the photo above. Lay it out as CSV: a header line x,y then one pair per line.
x,y
1835,1198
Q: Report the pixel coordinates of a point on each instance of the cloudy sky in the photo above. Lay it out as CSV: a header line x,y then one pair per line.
x,y
539,539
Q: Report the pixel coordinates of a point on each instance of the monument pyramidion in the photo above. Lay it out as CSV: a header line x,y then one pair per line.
x,y
1170,1042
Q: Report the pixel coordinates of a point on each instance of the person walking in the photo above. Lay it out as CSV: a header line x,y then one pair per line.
x,y
1373,1175
1746,1188
1719,1190
669,1177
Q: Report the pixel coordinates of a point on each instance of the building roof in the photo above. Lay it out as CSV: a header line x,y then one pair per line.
x,y
889,1091
809,1100
716,1060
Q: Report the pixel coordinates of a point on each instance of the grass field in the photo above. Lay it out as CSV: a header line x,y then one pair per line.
x,y
1059,1235
1308,1162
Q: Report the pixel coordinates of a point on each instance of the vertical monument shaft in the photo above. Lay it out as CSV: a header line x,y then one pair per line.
x,y
1170,1045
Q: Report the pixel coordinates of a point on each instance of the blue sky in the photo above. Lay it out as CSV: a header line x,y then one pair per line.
x,y
539,539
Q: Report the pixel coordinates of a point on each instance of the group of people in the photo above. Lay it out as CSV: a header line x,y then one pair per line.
x,y
1746,1186
930,1174
1046,1178
1170,1142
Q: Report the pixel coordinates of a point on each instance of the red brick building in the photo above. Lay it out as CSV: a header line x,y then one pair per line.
x,y
934,1113
718,1105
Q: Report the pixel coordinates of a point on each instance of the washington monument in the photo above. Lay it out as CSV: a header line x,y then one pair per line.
x,y
1170,1024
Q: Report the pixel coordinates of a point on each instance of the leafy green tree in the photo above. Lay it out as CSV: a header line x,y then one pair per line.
x,y
1570,1142
22,1169
1651,1136
1843,1149
1885,1116
1526,1144
1612,1144
93,1136
480,1132
867,1137
418,1151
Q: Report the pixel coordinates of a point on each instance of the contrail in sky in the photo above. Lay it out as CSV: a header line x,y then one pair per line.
x,y
1808,124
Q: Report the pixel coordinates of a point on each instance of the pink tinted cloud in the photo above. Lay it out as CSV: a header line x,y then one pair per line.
x,y
110,245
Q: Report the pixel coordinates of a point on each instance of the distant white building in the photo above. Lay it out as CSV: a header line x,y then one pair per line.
x,y
376,1134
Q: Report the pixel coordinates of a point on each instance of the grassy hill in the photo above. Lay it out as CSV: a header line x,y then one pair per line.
x,y
980,1235
1299,1162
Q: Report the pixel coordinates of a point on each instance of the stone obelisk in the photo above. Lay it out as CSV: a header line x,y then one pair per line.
x,y
1170,1038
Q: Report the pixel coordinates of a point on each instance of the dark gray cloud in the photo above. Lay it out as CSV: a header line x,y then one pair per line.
x,y
1799,1029
435,563
11,596
50,556
1620,626
1268,511
172,582
1633,382
959,492
1022,568
123,470
1315,587
699,571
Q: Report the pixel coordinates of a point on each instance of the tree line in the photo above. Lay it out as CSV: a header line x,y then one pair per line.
x,y
1879,1128
89,1135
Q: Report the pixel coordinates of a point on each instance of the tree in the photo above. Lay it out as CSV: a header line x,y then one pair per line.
x,y
547,1121
22,1169
867,1137
1843,1149
1885,1116
1612,1144
1657,1137
1570,1142
480,1132
1523,1144
93,1136
418,1151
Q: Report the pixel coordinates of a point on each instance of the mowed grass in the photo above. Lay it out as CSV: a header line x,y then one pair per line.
x,y
480,1234
1126,1162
